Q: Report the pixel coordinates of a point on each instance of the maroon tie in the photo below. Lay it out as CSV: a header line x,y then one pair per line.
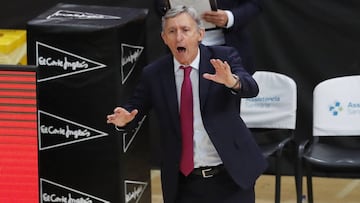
x,y
186,122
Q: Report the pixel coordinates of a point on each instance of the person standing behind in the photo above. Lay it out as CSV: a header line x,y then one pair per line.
x,y
231,19
208,153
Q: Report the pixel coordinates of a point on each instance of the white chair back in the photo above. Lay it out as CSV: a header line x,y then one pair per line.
x,y
336,107
274,106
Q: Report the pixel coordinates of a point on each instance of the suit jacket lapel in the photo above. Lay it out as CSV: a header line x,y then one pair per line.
x,y
204,67
168,85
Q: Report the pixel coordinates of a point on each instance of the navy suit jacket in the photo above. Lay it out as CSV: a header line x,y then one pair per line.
x,y
237,36
220,113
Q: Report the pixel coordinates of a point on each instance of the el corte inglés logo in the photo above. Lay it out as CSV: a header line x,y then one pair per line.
x,y
55,131
130,55
128,137
134,190
55,192
66,14
60,63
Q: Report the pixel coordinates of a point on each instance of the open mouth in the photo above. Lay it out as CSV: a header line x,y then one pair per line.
x,y
181,49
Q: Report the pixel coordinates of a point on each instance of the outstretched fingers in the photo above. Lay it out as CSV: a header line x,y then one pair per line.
x,y
121,116
222,71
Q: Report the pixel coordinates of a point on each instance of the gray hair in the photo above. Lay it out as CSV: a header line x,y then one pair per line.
x,y
177,10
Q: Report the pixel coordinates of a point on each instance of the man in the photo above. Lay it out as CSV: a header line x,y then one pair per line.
x,y
231,18
224,159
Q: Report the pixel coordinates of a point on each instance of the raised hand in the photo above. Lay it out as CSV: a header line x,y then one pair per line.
x,y
121,116
222,74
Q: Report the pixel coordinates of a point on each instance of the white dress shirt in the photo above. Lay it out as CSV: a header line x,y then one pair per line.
x,y
216,36
205,153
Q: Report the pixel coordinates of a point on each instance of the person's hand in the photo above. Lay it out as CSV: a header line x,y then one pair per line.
x,y
222,74
219,17
121,116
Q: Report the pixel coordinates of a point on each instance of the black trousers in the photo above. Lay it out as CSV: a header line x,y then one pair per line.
x,y
217,189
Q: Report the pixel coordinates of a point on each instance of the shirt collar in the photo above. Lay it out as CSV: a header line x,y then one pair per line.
x,y
194,64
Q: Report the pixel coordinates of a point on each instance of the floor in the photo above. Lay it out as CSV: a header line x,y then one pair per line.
x,y
326,190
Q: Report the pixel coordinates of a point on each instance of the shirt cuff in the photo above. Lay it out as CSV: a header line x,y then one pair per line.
x,y
119,128
230,16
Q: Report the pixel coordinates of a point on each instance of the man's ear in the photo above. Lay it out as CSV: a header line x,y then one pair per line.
x,y
201,34
163,37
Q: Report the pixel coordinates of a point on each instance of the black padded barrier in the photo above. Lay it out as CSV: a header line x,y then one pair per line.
x,y
89,60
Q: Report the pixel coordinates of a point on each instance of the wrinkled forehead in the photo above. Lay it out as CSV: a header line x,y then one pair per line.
x,y
180,20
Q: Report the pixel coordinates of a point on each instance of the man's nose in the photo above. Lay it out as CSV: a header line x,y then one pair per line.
x,y
179,36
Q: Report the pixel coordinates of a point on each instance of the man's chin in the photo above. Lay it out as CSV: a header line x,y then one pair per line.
x,y
182,59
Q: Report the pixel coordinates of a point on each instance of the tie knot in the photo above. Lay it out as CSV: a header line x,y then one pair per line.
x,y
187,69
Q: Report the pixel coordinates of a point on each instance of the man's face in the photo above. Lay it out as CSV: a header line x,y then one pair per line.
x,y
182,36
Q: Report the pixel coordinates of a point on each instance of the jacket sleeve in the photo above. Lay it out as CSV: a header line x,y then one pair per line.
x,y
249,87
